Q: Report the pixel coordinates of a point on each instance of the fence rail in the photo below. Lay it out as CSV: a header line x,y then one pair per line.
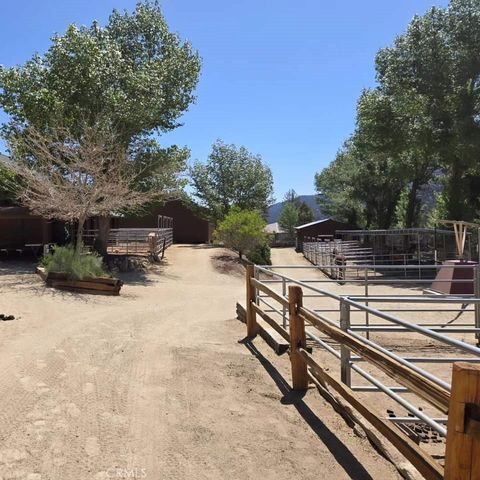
x,y
284,303
134,241
333,256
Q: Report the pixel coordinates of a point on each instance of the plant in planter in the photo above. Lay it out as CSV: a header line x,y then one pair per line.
x,y
76,266
69,268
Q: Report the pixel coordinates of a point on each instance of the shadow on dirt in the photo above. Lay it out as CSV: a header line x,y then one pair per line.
x,y
337,448
198,246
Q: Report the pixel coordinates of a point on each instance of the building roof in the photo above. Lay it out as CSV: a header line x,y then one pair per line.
x,y
313,223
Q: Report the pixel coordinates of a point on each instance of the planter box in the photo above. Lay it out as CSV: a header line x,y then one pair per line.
x,y
98,286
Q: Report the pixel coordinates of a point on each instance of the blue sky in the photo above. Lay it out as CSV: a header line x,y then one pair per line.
x,y
281,77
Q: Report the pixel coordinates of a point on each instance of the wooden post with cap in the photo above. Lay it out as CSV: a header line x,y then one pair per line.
x,y
462,453
251,320
297,339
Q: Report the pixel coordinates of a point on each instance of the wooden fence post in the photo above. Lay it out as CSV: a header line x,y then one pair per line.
x,y
297,339
462,453
252,326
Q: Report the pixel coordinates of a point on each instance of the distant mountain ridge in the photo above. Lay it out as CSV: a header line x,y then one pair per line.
x,y
311,200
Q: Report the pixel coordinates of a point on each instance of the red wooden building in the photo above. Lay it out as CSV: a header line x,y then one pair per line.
x,y
189,222
19,229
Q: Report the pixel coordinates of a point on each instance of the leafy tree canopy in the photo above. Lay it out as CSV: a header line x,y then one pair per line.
x,y
288,218
231,177
9,185
133,73
134,70
305,214
420,125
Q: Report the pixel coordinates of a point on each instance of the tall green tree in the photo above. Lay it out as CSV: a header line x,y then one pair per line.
x,y
419,126
305,214
288,218
9,184
232,176
435,63
133,73
337,193
292,197
360,188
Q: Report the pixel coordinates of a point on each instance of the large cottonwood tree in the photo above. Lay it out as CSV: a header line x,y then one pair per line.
x,y
133,73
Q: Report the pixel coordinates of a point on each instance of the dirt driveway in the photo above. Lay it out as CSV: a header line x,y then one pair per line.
x,y
158,384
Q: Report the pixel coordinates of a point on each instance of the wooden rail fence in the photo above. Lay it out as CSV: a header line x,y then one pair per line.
x,y
462,455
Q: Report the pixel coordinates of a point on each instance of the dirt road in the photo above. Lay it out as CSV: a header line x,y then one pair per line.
x,y
157,384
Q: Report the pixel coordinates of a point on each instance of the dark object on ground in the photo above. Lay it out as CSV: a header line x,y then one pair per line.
x,y
6,317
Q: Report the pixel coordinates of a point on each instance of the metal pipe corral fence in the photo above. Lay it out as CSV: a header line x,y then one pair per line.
x,y
340,323
350,304
134,241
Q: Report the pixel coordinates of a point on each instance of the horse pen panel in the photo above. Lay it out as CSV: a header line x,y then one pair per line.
x,y
426,333
145,242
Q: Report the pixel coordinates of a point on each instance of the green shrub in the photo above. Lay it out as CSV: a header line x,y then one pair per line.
x,y
75,265
241,230
260,255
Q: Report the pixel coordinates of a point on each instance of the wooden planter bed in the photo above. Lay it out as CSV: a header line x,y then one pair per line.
x,y
98,286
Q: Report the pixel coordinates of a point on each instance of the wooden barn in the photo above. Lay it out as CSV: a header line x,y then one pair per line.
x,y
189,222
23,233
319,228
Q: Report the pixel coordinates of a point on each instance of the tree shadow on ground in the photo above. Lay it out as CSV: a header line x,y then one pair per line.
x,y
229,264
354,469
19,275
198,246
17,266
154,273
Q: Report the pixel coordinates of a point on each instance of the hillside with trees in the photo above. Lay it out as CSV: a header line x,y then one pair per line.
x,y
310,201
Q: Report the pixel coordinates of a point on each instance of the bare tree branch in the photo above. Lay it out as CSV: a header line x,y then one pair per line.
x,y
73,179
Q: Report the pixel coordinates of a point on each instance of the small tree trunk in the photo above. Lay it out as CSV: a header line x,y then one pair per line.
x,y
78,240
101,241
456,193
411,206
